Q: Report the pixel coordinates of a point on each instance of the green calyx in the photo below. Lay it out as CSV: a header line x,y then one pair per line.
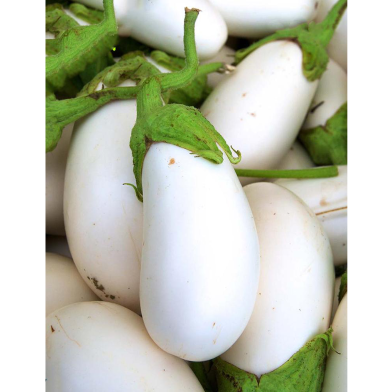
x,y
327,144
86,14
60,113
313,39
304,371
79,46
176,124
343,286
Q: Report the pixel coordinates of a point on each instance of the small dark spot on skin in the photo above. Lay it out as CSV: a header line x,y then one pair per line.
x,y
172,160
213,325
112,297
259,293
88,278
273,308
52,329
274,213
300,310
316,5
98,285
242,119
253,114
93,224
244,94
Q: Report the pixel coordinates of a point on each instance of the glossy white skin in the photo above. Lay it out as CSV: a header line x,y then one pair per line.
x,y
55,172
200,262
101,347
260,107
294,300
337,48
335,379
58,244
327,197
64,285
332,90
336,296
103,218
258,18
295,159
225,55
160,24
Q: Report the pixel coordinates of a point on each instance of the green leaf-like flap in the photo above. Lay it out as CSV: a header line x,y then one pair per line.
x,y
304,371
80,46
86,14
327,144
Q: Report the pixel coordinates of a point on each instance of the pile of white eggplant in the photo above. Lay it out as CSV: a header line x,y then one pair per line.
x,y
214,271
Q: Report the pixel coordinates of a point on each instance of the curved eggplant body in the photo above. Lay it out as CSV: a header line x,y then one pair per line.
x,y
327,197
260,107
64,285
101,347
103,218
200,263
258,18
337,48
335,379
331,94
160,24
56,161
296,158
294,300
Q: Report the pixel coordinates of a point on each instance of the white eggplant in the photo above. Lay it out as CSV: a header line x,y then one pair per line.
x,y
335,379
55,172
258,18
261,106
296,158
159,24
103,218
331,94
337,48
294,300
100,346
327,197
58,244
200,261
64,285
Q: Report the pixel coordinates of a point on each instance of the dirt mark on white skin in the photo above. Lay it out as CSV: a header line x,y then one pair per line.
x,y
73,340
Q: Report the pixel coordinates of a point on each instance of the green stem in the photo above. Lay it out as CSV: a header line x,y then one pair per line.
x,y
311,37
206,69
149,98
181,78
317,172
328,26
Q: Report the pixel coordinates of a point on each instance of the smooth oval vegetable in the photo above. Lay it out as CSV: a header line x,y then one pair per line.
x,y
200,261
327,197
258,18
331,94
294,300
103,218
55,172
295,159
261,106
64,285
100,346
160,24
335,379
58,244
337,48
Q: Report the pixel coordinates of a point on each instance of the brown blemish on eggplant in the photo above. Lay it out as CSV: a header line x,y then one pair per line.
x,y
100,287
316,5
51,327
323,202
244,94
172,160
